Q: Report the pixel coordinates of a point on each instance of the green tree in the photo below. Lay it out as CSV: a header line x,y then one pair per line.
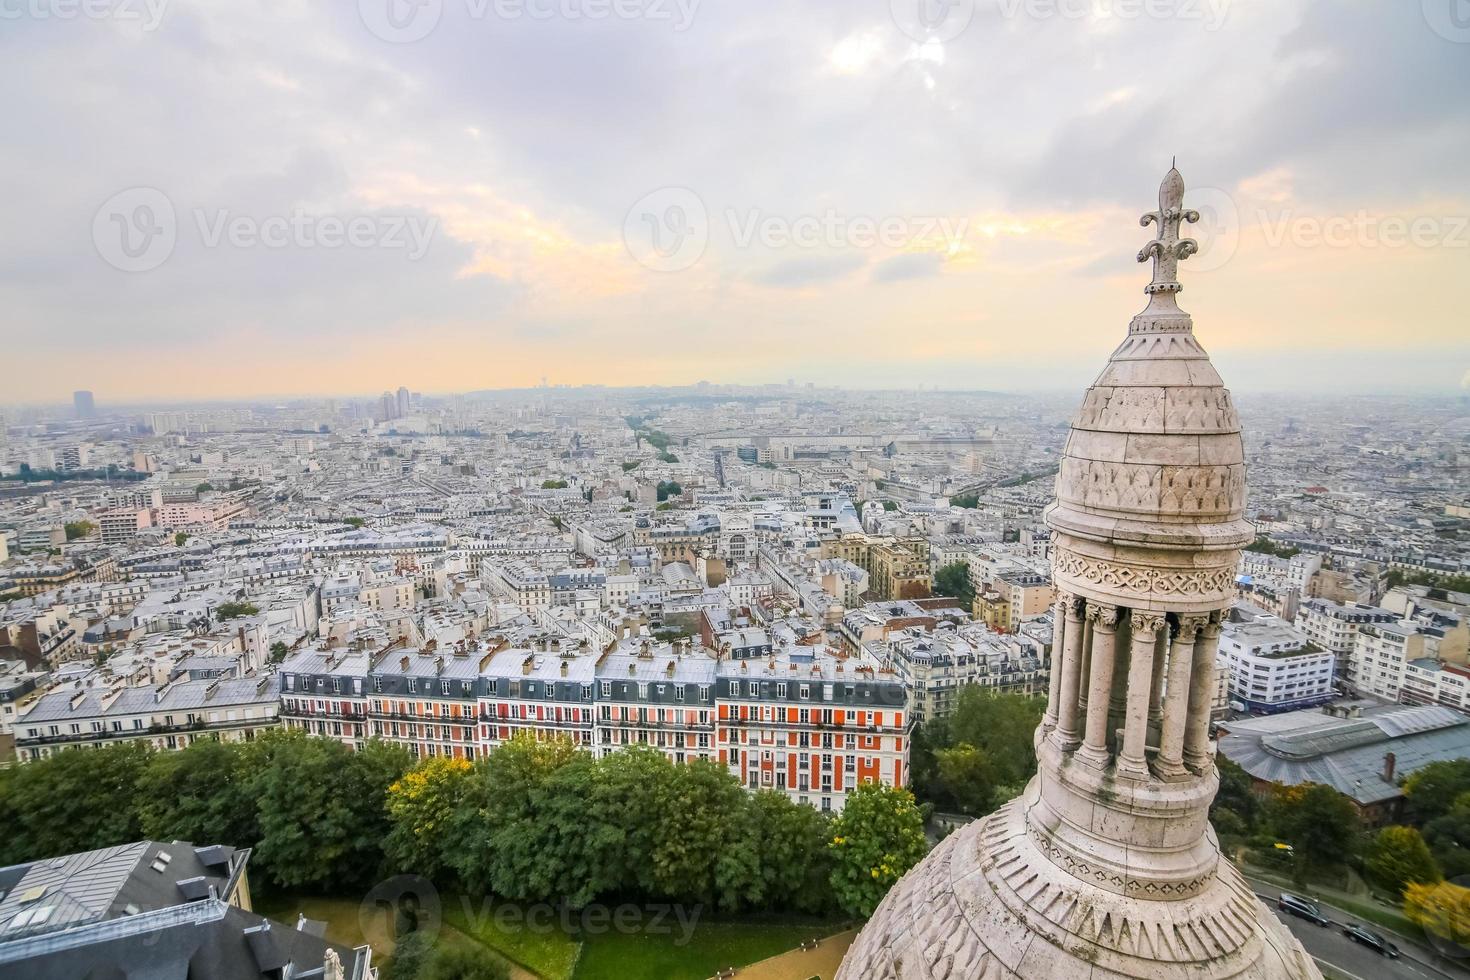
x,y
321,809
1003,726
180,538
1432,790
463,961
204,793
553,484
279,651
1318,821
1448,837
79,529
489,831
420,806
969,776
954,580
72,801
969,501
410,955
234,610
876,839
790,841
1398,857
203,488
669,488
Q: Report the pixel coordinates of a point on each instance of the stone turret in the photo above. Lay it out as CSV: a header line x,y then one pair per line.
x,y
1106,865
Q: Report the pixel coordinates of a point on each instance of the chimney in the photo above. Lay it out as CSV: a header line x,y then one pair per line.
x,y
403,664
1390,762
563,668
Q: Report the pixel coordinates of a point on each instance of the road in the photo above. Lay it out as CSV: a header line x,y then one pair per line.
x,y
1330,946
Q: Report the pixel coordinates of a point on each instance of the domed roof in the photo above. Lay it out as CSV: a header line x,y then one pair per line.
x,y
1154,455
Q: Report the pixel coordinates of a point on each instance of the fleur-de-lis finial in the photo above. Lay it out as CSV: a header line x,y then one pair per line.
x,y
1168,249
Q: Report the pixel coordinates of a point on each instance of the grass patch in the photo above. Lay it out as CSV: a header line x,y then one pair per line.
x,y
712,946
551,953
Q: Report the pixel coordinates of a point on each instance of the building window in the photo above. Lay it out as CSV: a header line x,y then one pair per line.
x,y
607,689
781,691
678,692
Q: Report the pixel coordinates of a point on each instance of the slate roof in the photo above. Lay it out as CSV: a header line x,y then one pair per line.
x,y
1347,753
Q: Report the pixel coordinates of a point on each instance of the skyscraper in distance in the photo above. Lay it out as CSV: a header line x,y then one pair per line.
x,y
1106,865
82,402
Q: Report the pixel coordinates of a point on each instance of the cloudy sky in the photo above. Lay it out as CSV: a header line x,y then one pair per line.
x,y
284,197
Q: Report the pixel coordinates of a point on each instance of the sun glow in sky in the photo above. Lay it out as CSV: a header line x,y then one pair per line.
x,y
739,192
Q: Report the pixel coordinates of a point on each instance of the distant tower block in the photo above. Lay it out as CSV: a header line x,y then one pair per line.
x,y
1106,865
82,402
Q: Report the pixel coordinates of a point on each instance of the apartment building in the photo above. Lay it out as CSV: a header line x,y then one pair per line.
x,y
1272,666
936,664
170,716
800,719
812,725
662,701
1334,626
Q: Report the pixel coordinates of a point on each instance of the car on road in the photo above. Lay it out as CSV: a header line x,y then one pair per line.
x,y
1372,940
1302,909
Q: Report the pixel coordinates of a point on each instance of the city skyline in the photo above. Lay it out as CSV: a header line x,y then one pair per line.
x,y
698,186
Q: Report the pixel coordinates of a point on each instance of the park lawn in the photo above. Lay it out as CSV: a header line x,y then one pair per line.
x,y
714,945
549,953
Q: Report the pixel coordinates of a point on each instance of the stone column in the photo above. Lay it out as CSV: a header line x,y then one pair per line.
x,y
1170,761
1156,693
1066,732
1144,629
1201,695
1058,650
1104,620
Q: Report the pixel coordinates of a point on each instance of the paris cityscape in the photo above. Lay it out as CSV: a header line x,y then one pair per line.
x,y
631,490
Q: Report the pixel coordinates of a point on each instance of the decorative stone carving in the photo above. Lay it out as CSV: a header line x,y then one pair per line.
x,y
1102,616
1128,581
1143,622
